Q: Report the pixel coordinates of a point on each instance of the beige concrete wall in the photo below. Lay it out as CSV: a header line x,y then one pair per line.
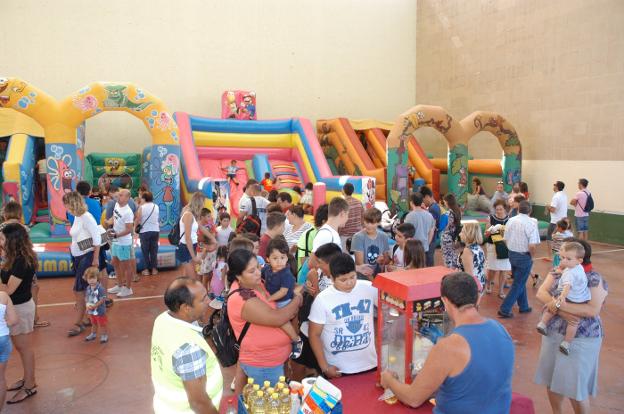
x,y
555,69
306,58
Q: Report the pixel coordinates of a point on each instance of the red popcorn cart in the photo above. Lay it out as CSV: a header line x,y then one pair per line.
x,y
410,318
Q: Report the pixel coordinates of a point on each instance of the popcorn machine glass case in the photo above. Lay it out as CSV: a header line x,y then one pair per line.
x,y
408,302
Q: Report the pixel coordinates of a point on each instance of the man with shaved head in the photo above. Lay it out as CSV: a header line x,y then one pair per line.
x,y
121,250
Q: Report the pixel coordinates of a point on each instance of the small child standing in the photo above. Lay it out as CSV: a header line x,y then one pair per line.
x,y
209,259
217,283
280,283
404,232
572,287
230,172
561,233
224,230
95,297
267,182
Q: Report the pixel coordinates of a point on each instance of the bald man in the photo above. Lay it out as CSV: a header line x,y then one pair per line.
x,y
121,250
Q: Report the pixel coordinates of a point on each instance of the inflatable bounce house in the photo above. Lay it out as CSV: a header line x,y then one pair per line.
x,y
61,134
39,134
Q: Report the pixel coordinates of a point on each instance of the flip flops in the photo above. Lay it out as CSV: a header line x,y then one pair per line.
x,y
29,392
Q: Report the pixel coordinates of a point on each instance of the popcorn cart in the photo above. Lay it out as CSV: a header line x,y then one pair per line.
x,y
409,304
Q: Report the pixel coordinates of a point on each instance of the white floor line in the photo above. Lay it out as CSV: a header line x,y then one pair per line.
x,y
51,305
608,251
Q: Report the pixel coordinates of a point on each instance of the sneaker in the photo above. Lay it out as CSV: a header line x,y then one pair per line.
x,y
115,289
125,291
145,272
90,337
103,339
297,348
541,328
154,272
564,347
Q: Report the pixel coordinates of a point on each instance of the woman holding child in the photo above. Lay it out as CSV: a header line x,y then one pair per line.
x,y
574,376
265,347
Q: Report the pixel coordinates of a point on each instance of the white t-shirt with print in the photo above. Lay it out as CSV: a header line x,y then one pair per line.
x,y
348,335
560,203
326,234
122,216
261,205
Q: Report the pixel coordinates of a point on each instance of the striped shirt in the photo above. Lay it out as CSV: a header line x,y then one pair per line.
x,y
520,231
354,223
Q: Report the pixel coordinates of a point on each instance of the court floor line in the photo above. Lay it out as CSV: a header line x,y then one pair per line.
x,y
51,305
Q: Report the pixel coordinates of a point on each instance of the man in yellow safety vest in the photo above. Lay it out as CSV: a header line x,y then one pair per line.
x,y
185,371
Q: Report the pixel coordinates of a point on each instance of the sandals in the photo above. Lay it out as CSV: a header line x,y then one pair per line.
x,y
17,386
76,331
29,392
42,324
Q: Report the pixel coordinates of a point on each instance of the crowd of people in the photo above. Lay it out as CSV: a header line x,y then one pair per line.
x,y
295,291
292,290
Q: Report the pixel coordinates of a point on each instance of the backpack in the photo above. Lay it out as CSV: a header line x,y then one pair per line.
x,y
174,235
222,334
589,204
251,223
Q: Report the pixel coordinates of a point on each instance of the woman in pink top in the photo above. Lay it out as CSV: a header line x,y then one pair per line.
x,y
265,347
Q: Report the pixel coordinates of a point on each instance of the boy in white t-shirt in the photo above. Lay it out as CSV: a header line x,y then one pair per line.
x,y
337,216
572,287
341,328
224,230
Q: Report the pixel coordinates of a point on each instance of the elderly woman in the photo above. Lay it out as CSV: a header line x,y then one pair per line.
x,y
19,264
574,376
265,347
85,251
187,249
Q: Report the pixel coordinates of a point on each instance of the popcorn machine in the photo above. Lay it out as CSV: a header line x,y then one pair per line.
x,y
409,303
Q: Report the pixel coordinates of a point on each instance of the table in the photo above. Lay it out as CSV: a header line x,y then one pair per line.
x,y
359,395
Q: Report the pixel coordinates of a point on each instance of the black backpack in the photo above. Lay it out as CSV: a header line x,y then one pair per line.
x,y
222,334
174,235
589,204
251,223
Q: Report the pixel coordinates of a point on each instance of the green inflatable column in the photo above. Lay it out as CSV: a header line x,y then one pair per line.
x,y
458,172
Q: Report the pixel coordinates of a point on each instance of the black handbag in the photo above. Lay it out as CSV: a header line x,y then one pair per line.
x,y
138,227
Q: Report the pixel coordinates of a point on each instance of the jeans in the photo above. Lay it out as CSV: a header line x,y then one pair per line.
x,y
149,248
431,252
521,264
261,374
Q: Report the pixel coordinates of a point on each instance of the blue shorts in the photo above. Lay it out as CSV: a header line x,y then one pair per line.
x,y
261,374
121,252
5,348
582,223
81,264
183,255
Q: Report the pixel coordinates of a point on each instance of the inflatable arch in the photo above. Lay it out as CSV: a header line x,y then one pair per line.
x,y
64,134
457,135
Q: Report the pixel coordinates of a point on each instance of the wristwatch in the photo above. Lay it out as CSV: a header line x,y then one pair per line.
x,y
558,304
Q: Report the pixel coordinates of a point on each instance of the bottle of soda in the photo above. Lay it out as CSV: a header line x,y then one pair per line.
x,y
258,404
248,388
274,404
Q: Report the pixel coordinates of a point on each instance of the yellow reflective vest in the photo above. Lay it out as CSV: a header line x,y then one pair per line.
x,y
168,335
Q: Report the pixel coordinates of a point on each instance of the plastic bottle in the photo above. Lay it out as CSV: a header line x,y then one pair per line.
x,y
279,387
295,401
285,403
248,389
230,407
258,404
274,403
267,394
266,386
282,380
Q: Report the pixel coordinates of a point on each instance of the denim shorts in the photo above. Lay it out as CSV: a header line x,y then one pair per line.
x,y
261,374
121,252
582,223
5,348
183,255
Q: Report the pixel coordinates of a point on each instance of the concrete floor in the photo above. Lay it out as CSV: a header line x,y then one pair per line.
x,y
77,377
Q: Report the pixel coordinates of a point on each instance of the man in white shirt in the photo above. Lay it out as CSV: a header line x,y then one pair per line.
x,y
122,221
522,238
341,327
253,191
558,209
245,197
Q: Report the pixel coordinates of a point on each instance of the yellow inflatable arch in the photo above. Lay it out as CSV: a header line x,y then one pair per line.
x,y
63,126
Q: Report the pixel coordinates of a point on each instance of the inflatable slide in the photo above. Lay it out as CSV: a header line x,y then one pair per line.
x,y
359,147
288,149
